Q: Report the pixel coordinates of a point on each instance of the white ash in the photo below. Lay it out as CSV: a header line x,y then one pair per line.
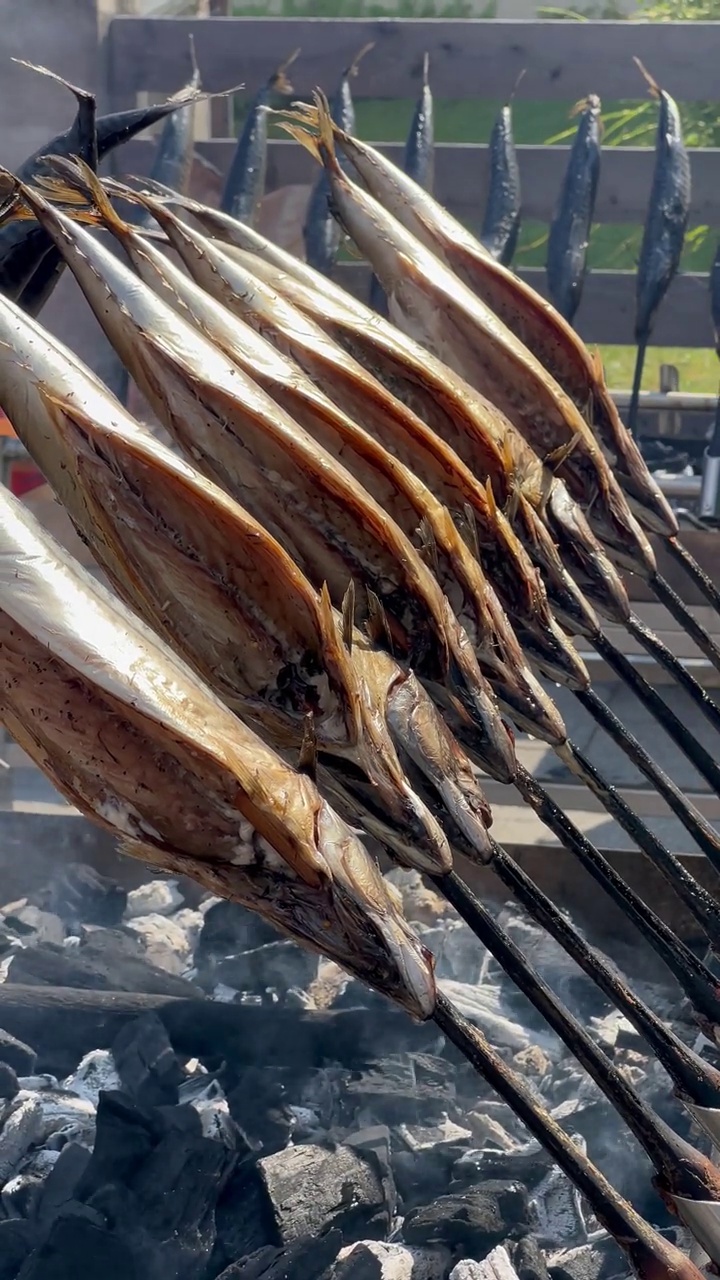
x,y
157,897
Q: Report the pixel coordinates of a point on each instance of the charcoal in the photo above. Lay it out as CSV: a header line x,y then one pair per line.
x,y
229,930
65,1112
600,1260
21,1194
9,1086
156,897
125,1134
81,895
17,1240
146,1063
558,1206
422,1176
19,1132
16,1054
307,1259
94,1073
80,1245
163,943
279,964
244,1219
496,1266
396,1262
474,1221
257,1105
314,1187
105,961
178,1186
528,1259
528,1164
375,1142
59,1186
29,921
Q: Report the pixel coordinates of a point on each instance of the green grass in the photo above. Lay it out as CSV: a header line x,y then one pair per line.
x,y
613,246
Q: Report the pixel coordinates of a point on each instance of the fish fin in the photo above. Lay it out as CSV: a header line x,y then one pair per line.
x,y
558,456
471,524
428,545
348,614
352,69
77,183
377,624
307,756
302,118
652,84
598,367
516,86
279,80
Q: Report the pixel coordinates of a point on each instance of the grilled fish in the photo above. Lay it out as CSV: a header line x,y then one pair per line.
x,y
238,435
419,156
130,736
321,232
501,223
570,228
245,183
534,322
403,434
432,304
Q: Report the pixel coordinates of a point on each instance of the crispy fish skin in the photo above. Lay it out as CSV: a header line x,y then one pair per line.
x,y
207,576
127,732
367,401
533,320
569,233
429,301
407,500
241,438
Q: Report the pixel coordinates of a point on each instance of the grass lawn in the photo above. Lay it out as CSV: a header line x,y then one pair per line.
x,y
612,246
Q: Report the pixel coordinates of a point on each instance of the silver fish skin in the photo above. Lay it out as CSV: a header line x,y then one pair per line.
x,y
570,228
501,222
245,183
419,156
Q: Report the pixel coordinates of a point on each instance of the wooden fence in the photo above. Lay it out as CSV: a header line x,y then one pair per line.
x,y
473,59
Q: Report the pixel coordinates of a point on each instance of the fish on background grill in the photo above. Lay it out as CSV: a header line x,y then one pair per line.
x,y
501,222
570,227
536,323
30,266
321,232
172,162
664,231
245,183
333,527
131,737
430,303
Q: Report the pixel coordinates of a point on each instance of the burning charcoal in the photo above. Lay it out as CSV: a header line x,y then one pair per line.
x,y
95,1072
31,922
80,895
229,930
63,1112
444,1133
313,1187
17,1240
528,1260
558,1207
600,1260
306,1259
279,964
424,1176
157,897
105,961
165,944
488,1131
80,1245
257,1105
191,922
20,1131
9,1086
216,1121
124,1137
20,1195
528,1164
473,1221
420,903
487,1008
396,1262
497,1266
59,1186
146,1063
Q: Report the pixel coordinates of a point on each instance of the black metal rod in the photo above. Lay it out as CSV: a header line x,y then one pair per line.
x,y
695,572
682,614
696,753
682,1170
632,418
651,1257
697,899
665,658
694,1079
695,978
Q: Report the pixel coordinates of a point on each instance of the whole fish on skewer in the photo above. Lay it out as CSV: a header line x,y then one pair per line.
x,y
131,737
535,322
242,438
321,232
570,227
501,222
245,183
434,306
664,232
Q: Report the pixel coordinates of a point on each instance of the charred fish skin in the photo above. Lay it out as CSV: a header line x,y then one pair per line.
x,y
667,217
419,155
245,184
501,222
570,228
321,232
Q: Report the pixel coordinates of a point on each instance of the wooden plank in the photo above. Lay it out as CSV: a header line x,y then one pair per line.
x,y
462,170
470,58
607,311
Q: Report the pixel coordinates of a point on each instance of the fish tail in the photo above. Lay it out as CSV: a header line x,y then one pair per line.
x,y
652,84
82,95
582,105
426,70
77,185
279,80
303,118
516,86
195,79
352,69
